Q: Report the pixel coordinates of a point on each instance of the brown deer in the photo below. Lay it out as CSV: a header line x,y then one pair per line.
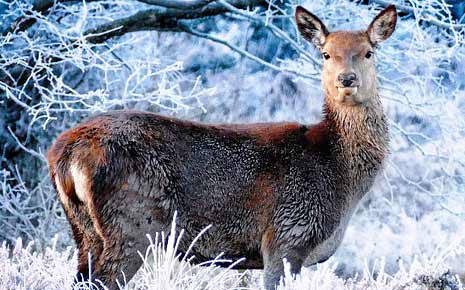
x,y
270,191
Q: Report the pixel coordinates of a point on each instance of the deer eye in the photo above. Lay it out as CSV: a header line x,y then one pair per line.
x,y
326,55
369,54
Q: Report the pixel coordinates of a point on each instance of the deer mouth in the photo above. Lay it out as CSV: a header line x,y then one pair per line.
x,y
347,91
346,88
348,95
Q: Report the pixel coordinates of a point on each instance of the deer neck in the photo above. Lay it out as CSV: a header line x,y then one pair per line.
x,y
360,142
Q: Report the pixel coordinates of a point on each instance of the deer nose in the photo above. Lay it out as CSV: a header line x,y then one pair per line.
x,y
347,79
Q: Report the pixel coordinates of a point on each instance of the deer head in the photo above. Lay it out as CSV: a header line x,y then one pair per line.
x,y
349,74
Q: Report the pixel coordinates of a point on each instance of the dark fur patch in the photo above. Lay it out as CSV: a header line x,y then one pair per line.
x,y
262,193
318,136
264,133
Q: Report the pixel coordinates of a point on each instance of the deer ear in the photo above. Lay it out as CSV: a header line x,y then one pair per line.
x,y
383,25
311,28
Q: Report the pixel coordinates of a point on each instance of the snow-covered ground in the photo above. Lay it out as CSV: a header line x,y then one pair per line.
x,y
24,269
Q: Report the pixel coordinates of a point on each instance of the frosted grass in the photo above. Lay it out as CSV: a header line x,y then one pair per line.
x,y
24,268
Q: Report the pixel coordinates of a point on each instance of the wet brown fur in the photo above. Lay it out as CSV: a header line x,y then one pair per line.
x,y
264,132
80,143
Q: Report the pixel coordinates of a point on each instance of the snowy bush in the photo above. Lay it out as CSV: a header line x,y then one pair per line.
x,y
29,213
240,65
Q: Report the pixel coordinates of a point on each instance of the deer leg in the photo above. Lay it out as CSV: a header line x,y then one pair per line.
x,y
89,251
124,231
274,268
83,251
89,243
73,214
119,260
273,256
273,271
82,274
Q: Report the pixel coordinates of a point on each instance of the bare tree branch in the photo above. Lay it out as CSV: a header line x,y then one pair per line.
x,y
427,18
159,18
162,19
25,22
178,4
152,19
194,8
30,151
242,52
275,30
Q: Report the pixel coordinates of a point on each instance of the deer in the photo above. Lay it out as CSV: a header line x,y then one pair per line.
x,y
270,191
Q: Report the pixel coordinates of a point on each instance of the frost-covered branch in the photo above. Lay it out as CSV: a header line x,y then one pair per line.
x,y
425,12
169,9
179,4
24,212
27,19
152,19
38,73
166,17
243,52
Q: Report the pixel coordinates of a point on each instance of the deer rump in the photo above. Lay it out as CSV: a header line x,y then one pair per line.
x,y
122,175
